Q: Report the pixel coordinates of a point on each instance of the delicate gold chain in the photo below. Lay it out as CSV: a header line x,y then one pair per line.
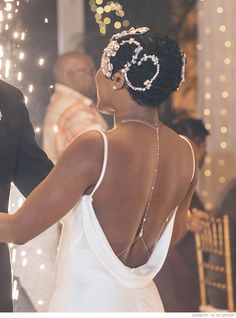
x,y
140,235
146,123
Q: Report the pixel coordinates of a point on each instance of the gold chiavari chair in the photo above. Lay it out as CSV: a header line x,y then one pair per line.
x,y
215,240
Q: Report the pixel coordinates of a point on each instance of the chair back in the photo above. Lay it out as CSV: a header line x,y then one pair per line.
x,y
215,240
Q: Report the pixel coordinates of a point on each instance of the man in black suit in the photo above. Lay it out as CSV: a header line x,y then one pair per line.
x,y
21,162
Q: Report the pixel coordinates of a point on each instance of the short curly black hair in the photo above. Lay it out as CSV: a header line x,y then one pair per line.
x,y
171,63
193,128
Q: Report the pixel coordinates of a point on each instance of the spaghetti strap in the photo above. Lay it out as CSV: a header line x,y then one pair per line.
x,y
191,147
104,163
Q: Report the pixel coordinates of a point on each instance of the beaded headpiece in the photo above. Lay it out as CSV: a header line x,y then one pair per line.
x,y
183,69
113,47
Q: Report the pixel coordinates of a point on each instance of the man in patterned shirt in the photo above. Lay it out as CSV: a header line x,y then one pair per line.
x,y
71,109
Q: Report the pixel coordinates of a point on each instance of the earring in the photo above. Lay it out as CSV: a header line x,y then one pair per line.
x,y
114,87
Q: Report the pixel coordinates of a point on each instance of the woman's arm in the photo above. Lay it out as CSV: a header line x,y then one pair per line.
x,y
77,170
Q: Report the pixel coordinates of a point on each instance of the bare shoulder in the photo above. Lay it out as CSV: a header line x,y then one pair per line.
x,y
172,138
182,149
83,157
91,140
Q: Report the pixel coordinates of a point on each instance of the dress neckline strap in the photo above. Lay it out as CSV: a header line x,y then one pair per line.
x,y
191,147
104,165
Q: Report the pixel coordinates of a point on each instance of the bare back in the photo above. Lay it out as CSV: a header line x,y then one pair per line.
x,y
121,200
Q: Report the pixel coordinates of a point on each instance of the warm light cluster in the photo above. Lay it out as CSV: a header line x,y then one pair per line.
x,y
11,38
12,54
215,99
108,13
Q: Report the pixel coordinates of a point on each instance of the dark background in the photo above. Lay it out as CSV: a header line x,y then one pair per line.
x,y
41,40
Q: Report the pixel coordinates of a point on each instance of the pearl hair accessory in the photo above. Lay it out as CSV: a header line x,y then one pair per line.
x,y
183,69
113,47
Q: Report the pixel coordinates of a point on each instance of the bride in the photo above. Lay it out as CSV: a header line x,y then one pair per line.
x,y
130,187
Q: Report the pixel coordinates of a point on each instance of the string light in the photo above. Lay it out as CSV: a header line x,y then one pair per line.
x,y
222,179
225,94
216,93
13,255
15,291
223,130
204,193
227,61
199,46
207,64
24,262
55,128
207,30
207,173
31,88
23,36
207,95
21,55
7,68
223,112
207,112
227,44
37,130
208,126
222,28
16,35
23,253
40,302
41,61
208,206
222,78
220,10
19,76
39,251
221,162
207,81
223,144
208,160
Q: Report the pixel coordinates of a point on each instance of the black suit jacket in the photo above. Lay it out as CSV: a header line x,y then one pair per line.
x,y
21,162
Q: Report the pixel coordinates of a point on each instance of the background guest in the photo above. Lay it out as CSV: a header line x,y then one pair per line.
x,y
178,279
71,109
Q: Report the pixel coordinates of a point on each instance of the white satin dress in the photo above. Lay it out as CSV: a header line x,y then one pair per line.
x,y
90,277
